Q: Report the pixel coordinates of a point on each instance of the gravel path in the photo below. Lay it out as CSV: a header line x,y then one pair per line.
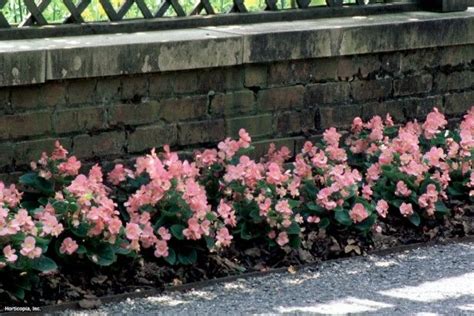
x,y
437,280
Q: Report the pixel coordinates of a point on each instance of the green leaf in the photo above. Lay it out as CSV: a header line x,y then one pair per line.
x,y
342,216
294,203
102,254
293,229
415,219
367,223
210,242
44,264
245,233
36,182
255,215
315,209
295,241
324,222
187,257
177,231
18,292
454,192
81,250
81,230
60,207
171,259
441,208
122,251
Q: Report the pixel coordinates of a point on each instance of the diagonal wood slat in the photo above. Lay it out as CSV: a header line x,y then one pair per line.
x,y
170,3
271,5
303,4
203,5
76,12
124,8
109,10
238,7
144,9
36,13
3,21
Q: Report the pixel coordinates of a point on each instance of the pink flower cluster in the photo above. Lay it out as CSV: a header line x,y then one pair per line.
x,y
378,172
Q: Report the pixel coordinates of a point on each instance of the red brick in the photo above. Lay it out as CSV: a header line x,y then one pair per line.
x,y
79,120
280,98
104,144
154,136
201,132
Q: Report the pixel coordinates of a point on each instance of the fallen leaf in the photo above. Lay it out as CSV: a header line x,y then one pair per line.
x,y
177,282
89,303
292,269
350,248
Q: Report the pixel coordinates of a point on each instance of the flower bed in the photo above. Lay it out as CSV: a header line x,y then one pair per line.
x,y
171,220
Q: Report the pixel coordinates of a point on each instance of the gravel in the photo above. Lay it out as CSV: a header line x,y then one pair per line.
x,y
437,280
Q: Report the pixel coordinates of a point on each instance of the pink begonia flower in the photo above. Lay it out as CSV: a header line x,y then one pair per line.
x,y
382,208
373,172
70,167
294,187
223,237
133,231
358,213
406,209
323,199
227,213
434,122
59,152
434,156
51,226
9,195
29,249
164,233
402,189
161,249
302,169
245,138
282,239
193,231
386,157
336,154
307,147
320,160
283,207
388,120
115,224
207,157
332,137
367,192
117,175
265,206
9,253
313,219
274,174
22,219
359,146
68,246
357,125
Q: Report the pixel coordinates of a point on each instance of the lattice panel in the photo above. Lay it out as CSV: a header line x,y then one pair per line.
x,y
37,12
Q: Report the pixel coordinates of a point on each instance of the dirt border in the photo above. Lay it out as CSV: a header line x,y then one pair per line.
x,y
205,283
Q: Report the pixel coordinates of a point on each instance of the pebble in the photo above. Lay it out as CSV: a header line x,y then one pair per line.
x,y
437,280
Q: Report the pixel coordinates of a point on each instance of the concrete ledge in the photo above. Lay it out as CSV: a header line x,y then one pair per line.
x,y
24,62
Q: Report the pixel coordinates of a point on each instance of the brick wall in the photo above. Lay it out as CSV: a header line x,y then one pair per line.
x,y
284,102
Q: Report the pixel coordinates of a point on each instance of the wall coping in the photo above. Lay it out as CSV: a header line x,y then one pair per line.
x,y
35,61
